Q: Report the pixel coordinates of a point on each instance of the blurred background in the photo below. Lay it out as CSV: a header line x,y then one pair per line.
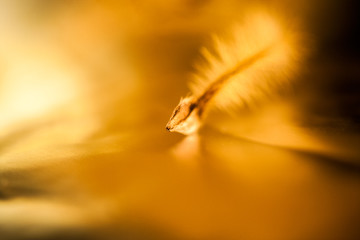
x,y
86,88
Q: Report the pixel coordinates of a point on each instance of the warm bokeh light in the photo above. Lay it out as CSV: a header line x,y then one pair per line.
x,y
86,88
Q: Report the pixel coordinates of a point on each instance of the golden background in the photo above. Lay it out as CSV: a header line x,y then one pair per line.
x,y
86,88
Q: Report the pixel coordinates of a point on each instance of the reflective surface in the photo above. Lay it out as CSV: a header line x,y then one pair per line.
x,y
86,91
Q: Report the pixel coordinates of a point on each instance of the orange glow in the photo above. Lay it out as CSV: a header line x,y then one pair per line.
x,y
85,90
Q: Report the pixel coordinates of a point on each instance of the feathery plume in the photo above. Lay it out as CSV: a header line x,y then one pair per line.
x,y
258,58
